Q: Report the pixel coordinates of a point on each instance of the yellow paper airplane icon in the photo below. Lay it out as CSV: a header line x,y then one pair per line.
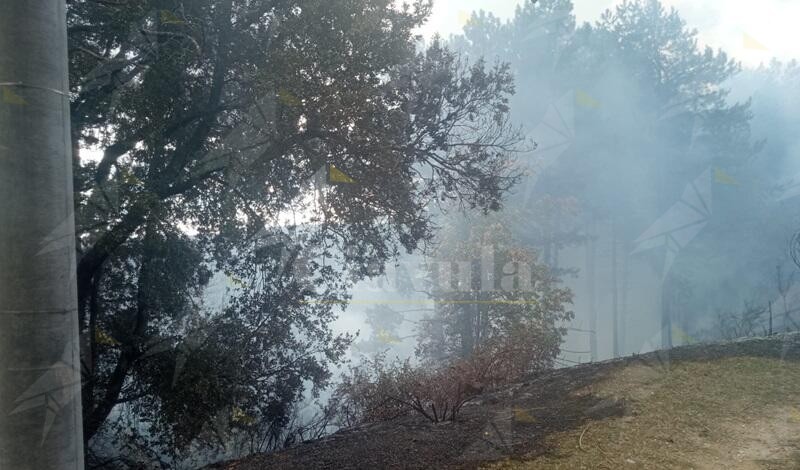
x,y
101,337
168,17
337,176
723,178
238,415
523,416
681,335
463,18
586,100
751,43
12,98
236,281
286,97
388,338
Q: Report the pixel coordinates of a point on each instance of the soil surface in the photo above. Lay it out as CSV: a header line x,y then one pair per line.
x,y
704,406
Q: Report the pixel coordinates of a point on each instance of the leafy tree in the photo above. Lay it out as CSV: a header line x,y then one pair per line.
x,y
384,323
492,292
214,119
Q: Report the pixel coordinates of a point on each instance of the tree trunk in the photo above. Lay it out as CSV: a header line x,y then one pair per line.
x,y
623,324
614,284
590,294
467,314
666,315
102,407
40,408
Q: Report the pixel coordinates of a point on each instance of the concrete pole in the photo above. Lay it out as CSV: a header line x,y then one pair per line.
x,y
40,410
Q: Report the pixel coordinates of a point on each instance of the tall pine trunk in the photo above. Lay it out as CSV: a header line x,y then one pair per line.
x,y
666,314
40,408
591,253
623,324
614,291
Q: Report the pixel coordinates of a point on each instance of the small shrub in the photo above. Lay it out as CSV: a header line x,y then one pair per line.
x,y
378,390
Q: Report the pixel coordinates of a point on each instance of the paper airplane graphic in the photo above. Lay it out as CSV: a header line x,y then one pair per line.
x,y
789,189
168,17
682,336
586,100
337,176
194,339
522,415
661,360
10,97
61,238
329,175
288,98
386,337
681,223
723,178
463,18
556,132
54,390
495,439
554,135
545,21
751,43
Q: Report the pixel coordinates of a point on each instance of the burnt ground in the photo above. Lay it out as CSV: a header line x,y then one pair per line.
x,y
543,421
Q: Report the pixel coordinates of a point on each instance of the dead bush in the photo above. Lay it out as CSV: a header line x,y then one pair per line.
x,y
379,390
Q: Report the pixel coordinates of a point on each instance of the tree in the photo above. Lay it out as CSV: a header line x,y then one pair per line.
x,y
39,379
491,292
499,315
214,119
627,112
384,323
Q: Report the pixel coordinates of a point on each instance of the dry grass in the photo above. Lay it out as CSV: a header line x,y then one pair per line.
x,y
738,412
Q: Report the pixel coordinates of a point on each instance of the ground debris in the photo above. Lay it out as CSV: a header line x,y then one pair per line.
x,y
725,405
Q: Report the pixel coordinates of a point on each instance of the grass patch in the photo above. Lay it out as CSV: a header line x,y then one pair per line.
x,y
737,412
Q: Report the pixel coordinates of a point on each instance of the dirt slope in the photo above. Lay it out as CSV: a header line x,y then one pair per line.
x,y
729,405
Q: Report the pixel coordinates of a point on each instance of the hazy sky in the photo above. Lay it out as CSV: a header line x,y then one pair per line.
x,y
752,32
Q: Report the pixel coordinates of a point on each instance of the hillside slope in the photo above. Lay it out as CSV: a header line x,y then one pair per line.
x,y
732,405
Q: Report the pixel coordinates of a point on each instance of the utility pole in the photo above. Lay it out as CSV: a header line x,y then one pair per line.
x,y
40,409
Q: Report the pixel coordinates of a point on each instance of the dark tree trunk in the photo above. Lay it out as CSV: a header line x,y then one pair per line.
x,y
614,286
